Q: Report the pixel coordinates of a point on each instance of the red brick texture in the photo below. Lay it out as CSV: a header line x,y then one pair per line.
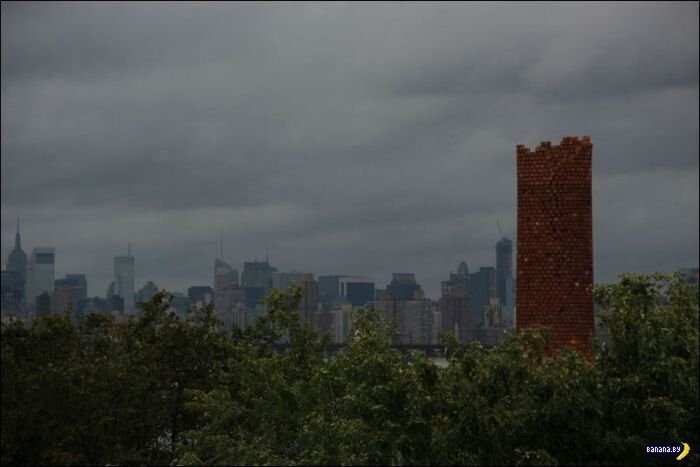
x,y
555,242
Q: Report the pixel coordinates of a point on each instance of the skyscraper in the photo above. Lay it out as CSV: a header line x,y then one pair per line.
x,y
413,318
457,281
257,274
454,304
70,292
403,286
309,301
482,288
17,260
40,274
256,281
504,269
147,292
79,281
357,290
64,297
328,289
225,277
42,304
224,274
229,304
124,281
200,294
11,289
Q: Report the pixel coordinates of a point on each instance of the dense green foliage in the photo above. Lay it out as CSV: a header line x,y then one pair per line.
x,y
165,390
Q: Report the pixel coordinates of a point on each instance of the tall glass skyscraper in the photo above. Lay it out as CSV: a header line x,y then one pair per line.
x,y
482,288
124,281
504,270
41,274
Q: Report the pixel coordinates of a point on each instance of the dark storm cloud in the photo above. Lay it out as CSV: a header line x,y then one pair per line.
x,y
344,137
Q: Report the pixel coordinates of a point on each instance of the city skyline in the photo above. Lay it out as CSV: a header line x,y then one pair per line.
x,y
379,282
124,265
386,147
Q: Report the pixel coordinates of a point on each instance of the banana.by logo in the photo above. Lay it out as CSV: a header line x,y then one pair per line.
x,y
683,450
686,450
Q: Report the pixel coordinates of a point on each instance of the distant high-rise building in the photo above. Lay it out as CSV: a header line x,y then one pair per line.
x,y
227,292
79,281
230,305
224,274
17,261
40,274
457,281
492,331
493,314
403,286
309,300
454,304
110,291
64,297
42,303
357,290
70,293
147,292
342,322
328,289
413,318
11,292
437,326
257,274
282,280
504,269
254,296
116,304
482,288
324,320
124,281
417,323
179,303
200,295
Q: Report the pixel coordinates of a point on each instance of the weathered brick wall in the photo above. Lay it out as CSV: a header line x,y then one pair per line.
x,y
555,242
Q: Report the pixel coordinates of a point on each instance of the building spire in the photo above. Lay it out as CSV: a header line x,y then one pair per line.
x,y
128,249
267,254
221,244
18,240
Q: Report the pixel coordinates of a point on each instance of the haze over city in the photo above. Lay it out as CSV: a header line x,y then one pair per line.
x,y
340,138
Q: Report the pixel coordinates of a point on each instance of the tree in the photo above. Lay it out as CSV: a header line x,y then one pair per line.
x,y
161,389
650,365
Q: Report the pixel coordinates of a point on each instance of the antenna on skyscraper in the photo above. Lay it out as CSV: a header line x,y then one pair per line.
x,y
267,254
221,244
128,249
498,224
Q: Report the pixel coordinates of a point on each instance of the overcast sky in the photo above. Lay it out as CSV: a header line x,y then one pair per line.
x,y
349,138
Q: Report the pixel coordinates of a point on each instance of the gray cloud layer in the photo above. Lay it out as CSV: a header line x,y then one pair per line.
x,y
358,138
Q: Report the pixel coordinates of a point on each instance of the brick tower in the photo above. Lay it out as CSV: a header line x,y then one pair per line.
x,y
555,242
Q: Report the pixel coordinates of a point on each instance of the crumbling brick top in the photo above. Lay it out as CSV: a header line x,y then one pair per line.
x,y
568,142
